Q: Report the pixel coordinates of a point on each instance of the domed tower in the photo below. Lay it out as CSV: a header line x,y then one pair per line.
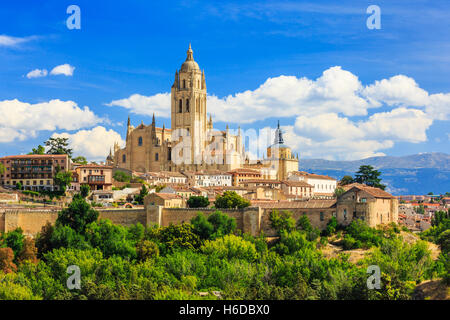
x,y
280,156
188,101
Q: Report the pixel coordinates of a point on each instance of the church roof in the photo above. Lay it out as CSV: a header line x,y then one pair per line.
x,y
189,64
279,141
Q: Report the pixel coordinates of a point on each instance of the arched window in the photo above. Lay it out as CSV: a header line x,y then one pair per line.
x,y
124,158
156,156
180,106
187,105
140,141
184,83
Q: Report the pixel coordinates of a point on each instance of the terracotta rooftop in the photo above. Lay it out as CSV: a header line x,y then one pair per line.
x,y
35,156
376,192
297,184
168,196
311,175
260,181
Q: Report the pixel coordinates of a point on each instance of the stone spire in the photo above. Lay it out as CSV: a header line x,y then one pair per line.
x,y
190,56
278,135
128,126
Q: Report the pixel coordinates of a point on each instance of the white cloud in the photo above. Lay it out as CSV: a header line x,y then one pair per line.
x,y
37,73
335,91
136,103
21,120
9,41
94,144
64,69
334,114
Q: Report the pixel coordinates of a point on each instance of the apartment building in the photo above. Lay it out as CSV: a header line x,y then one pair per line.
x,y
98,177
34,172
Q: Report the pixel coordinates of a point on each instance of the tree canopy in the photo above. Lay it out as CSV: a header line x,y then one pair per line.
x,y
231,200
39,150
369,176
58,145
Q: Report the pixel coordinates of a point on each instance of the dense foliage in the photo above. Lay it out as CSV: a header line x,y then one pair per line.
x,y
231,200
197,202
178,261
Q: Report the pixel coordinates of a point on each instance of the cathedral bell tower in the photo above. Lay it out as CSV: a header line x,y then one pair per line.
x,y
188,105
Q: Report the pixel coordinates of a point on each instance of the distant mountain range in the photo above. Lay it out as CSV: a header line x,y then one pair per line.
x,y
413,174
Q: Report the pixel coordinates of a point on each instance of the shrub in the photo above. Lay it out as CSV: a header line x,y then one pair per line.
x,y
147,249
231,200
197,202
229,247
281,222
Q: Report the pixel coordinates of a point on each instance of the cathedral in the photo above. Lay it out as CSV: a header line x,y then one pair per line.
x,y
191,144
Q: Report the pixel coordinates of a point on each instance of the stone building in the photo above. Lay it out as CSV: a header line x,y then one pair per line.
x,y
191,144
373,205
280,161
34,171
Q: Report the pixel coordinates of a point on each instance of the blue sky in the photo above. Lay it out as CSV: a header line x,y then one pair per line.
x,y
314,65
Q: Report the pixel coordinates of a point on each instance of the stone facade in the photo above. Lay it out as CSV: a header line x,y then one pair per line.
x,y
369,204
191,144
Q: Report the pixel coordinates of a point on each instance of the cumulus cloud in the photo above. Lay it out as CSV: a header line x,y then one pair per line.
x,y
139,104
94,144
37,73
335,115
21,120
64,69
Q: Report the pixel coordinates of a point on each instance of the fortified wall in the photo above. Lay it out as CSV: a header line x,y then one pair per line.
x,y
252,220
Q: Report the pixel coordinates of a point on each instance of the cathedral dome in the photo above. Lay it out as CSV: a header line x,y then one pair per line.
x,y
189,64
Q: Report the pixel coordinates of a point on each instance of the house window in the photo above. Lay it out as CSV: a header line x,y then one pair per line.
x,y
180,106
184,83
124,159
156,156
321,216
345,214
187,105
140,141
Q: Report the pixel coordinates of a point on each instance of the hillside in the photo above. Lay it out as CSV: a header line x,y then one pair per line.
x,y
413,174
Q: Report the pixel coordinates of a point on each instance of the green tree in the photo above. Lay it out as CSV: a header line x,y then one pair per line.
x,y
80,160
15,239
339,191
231,200
369,176
77,215
231,247
331,226
346,180
282,221
62,179
147,249
111,239
197,202
217,225
85,189
121,176
19,186
142,194
39,150
58,145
